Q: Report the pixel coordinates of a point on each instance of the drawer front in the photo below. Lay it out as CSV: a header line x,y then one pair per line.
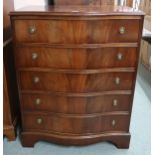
x,y
76,105
60,58
66,82
77,32
76,125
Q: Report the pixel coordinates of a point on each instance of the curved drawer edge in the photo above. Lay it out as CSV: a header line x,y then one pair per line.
x,y
66,115
78,71
103,45
88,94
121,140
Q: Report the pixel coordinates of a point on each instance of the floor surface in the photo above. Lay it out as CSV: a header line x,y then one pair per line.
x,y
139,128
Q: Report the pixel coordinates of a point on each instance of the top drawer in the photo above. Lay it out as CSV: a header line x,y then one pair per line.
x,y
77,31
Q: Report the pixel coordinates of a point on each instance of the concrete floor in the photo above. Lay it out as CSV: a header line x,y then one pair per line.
x,y
139,128
144,78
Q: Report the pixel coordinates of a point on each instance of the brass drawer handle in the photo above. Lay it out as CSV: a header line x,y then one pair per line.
x,y
38,101
119,56
32,29
39,120
113,123
36,79
122,30
34,56
115,102
117,80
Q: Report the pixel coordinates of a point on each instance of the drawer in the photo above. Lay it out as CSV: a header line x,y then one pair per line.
x,y
76,58
75,124
77,31
68,82
74,104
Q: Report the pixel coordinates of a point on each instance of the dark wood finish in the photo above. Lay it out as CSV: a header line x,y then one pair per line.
x,y
62,82
75,58
74,90
76,32
8,127
75,104
10,95
121,140
87,124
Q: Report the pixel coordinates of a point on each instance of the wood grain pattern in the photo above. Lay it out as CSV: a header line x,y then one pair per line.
x,y
76,125
75,46
62,58
75,105
77,32
121,140
67,93
61,82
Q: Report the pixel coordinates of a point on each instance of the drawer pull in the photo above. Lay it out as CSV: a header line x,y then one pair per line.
x,y
113,123
117,80
122,30
115,103
39,121
36,79
37,101
119,56
32,29
34,56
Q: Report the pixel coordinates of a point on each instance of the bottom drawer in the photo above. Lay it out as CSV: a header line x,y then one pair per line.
x,y
76,124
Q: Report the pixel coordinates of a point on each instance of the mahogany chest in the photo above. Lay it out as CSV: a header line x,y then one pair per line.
x,y
76,69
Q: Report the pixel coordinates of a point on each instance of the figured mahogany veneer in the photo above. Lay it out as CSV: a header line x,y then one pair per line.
x,y
76,58
87,124
86,104
67,82
76,68
77,32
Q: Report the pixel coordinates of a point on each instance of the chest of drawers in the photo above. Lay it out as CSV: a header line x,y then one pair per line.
x,y
76,69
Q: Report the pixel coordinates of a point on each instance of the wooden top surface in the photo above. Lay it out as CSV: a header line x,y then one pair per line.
x,y
77,10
